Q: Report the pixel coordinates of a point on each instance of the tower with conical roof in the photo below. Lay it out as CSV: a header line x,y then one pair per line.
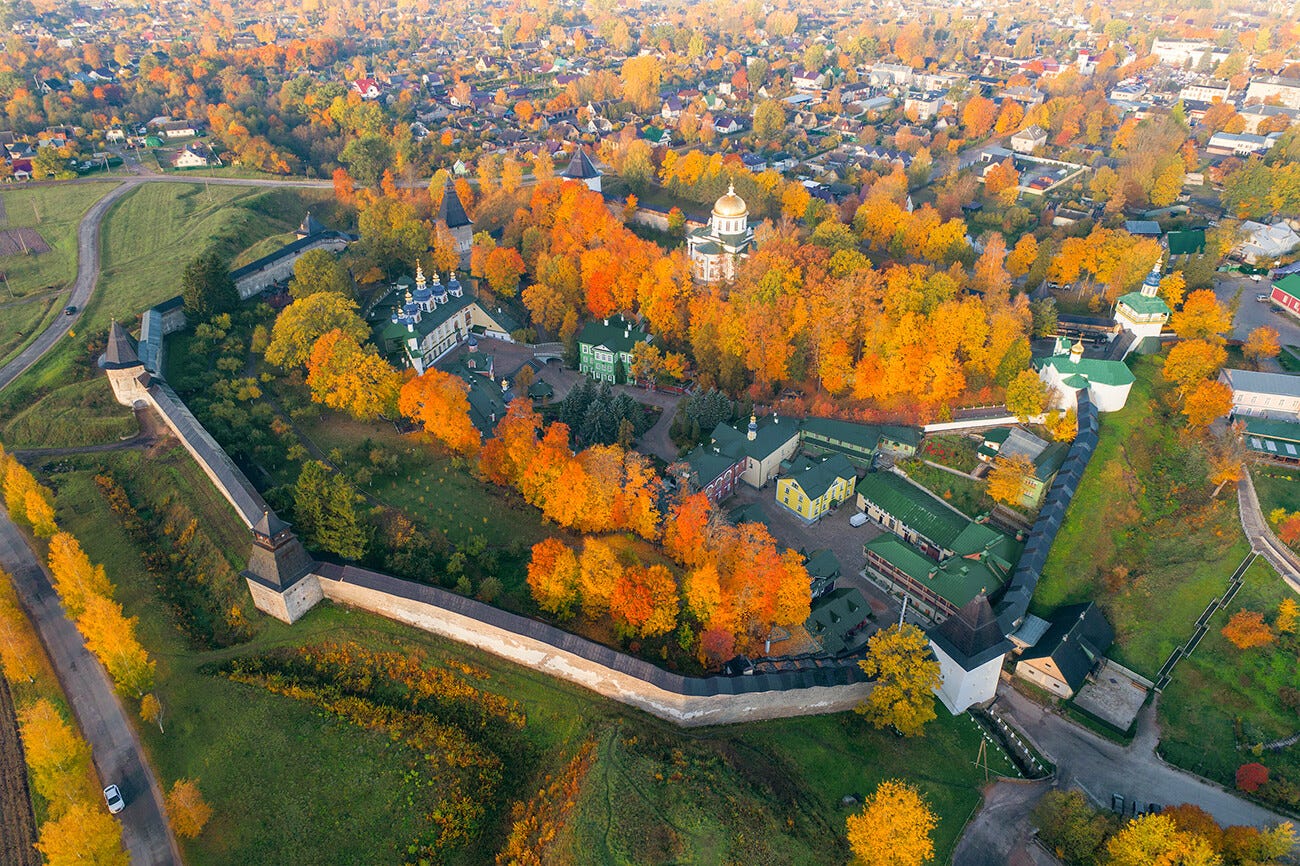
x,y
452,217
126,372
970,647
583,170
279,573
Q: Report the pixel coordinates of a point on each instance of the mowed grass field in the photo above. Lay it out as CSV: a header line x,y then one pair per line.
x,y
293,785
22,320
1142,536
54,210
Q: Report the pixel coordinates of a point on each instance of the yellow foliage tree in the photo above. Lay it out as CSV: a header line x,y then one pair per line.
x,y
1202,317
76,579
40,512
1261,343
86,836
151,711
353,379
906,675
1193,361
110,637
599,569
188,811
1008,478
20,650
1207,401
1022,256
1156,838
1026,395
1288,612
305,321
894,827
57,755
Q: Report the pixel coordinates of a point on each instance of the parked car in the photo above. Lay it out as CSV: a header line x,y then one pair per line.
x,y
1255,278
1262,298
113,797
858,519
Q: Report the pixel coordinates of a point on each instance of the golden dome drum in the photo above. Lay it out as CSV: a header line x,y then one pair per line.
x,y
730,205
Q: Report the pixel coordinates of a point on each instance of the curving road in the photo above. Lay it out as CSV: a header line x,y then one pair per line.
x,y
88,232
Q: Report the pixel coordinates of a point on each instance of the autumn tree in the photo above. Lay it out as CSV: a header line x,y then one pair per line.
x,y
1009,478
1156,838
188,811
306,320
553,575
1173,289
438,401
86,835
345,376
599,570
1022,256
894,828
1207,400
76,579
110,637
1251,777
502,270
57,756
1288,613
1002,182
1069,826
644,601
151,711
1247,630
1027,395
906,675
1202,318
1261,344
40,511
642,77
977,116
20,650
1193,361
319,270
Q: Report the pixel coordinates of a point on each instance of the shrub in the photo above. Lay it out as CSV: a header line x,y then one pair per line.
x,y
1251,776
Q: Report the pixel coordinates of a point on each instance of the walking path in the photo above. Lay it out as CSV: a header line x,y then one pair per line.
x,y
1135,772
117,753
1262,540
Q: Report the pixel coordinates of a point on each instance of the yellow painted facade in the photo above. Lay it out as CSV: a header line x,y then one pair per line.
x,y
790,494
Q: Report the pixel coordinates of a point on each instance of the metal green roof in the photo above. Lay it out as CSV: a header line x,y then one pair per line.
x,y
1186,242
1144,305
814,479
914,507
619,335
1289,284
1273,428
1090,370
956,579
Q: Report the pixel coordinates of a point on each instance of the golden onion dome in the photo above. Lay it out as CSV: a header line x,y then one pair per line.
x,y
731,205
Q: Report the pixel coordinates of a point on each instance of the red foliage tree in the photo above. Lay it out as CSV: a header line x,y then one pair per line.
x,y
1250,777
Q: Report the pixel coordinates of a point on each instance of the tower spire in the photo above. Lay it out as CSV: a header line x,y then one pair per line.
x,y
419,275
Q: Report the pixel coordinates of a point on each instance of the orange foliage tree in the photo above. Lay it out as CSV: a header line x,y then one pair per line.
x,y
1247,630
1207,401
354,379
437,400
553,574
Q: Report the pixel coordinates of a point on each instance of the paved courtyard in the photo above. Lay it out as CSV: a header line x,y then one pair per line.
x,y
1252,314
1113,695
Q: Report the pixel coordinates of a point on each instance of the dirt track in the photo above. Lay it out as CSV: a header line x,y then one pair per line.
x,y
17,823
24,241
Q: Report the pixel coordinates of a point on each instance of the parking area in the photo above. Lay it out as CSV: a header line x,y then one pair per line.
x,y
1252,314
833,533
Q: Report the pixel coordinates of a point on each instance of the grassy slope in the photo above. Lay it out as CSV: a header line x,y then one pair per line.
x,y
1108,506
273,767
60,207
1221,685
21,320
152,234
83,413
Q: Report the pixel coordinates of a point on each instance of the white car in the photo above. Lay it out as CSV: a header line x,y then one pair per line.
x,y
113,797
1255,278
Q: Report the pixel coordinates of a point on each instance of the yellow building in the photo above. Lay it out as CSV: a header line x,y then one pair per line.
x,y
811,489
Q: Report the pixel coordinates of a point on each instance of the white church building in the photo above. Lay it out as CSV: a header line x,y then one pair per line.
x,y
715,248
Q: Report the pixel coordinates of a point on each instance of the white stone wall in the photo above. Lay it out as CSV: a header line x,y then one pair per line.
x,y
680,709
961,688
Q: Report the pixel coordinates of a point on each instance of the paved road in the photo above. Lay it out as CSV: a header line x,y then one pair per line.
x,y
1002,833
117,753
1102,768
1250,313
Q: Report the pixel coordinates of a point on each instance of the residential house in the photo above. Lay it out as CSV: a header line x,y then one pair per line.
x,y
1239,143
1273,440
1208,90
605,348
760,449
194,155
367,88
1066,655
812,488
1029,139
1262,243
1263,395
1280,91
838,621
1044,457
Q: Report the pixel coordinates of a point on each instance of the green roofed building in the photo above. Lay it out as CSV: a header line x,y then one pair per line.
x,y
605,348
1276,440
936,556
858,442
838,621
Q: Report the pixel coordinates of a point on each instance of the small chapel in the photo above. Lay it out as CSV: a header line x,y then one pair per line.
x,y
715,248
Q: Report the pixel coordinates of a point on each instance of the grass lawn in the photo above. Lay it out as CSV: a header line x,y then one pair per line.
x,y
1142,536
1277,486
21,321
965,494
291,784
83,413
954,451
54,210
1289,359
150,236
1220,686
